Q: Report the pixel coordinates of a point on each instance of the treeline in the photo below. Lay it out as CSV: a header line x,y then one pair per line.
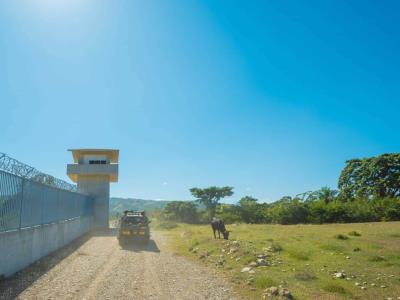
x,y
369,191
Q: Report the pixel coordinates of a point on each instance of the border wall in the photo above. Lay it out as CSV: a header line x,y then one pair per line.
x,y
37,219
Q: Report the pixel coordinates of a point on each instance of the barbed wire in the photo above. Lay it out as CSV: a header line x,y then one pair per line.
x,y
18,168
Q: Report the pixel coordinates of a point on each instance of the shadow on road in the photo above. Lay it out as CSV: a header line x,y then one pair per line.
x,y
140,246
106,232
11,287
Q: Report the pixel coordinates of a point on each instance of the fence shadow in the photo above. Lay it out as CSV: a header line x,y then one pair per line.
x,y
11,287
105,232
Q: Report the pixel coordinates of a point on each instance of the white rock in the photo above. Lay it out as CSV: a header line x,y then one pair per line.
x,y
245,269
340,275
261,262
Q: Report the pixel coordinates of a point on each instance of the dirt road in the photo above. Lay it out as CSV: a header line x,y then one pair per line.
x,y
96,267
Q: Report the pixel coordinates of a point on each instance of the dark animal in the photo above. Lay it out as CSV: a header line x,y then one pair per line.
x,y
218,225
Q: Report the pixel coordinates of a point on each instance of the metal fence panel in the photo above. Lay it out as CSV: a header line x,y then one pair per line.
x,y
26,203
50,203
10,201
31,212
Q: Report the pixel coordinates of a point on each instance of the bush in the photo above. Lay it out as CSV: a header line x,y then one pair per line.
x,y
354,233
322,206
341,237
289,211
276,247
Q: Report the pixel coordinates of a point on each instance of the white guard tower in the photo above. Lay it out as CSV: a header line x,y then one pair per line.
x,y
93,170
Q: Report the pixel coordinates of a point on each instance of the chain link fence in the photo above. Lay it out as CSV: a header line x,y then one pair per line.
x,y
27,203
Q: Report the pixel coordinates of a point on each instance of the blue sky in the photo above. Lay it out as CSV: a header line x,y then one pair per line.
x,y
271,97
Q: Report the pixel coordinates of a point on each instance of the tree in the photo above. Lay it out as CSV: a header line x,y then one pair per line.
x,y
324,194
181,211
229,213
210,197
371,177
250,210
288,211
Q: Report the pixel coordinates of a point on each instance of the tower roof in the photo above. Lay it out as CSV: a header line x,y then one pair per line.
x,y
113,154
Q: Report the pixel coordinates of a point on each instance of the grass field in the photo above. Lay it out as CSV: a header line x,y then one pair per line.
x,y
301,258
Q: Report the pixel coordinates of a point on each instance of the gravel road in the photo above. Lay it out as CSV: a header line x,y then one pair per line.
x,y
97,267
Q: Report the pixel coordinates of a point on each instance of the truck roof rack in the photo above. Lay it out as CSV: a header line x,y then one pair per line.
x,y
134,213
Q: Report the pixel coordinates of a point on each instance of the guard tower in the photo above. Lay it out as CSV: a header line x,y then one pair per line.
x,y
93,170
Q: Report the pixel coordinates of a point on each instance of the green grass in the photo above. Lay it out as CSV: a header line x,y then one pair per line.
x,y
333,247
304,258
376,258
299,254
305,276
395,235
335,288
165,225
354,233
264,282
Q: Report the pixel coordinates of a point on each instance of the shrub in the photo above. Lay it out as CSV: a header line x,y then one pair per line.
x,y
354,233
341,237
276,247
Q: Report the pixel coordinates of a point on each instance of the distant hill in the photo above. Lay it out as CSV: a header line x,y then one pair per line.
x,y
118,205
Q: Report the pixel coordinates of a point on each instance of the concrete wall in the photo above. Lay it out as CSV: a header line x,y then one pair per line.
x,y
99,188
20,248
110,170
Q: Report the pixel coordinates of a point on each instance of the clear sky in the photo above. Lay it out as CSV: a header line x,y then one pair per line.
x,y
271,97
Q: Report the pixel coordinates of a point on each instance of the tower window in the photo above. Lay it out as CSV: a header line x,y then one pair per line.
x,y
97,162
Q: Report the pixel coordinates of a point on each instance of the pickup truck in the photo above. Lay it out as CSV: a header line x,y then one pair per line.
x,y
134,225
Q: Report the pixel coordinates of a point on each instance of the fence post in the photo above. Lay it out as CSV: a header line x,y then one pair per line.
x,y
22,199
